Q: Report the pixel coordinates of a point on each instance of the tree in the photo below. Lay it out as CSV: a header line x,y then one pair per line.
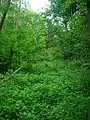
x,y
68,19
88,21
4,14
88,15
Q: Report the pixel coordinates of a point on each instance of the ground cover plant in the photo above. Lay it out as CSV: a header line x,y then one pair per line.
x,y
44,61
60,92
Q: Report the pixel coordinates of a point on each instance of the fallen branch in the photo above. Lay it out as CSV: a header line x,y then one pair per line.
x,y
12,73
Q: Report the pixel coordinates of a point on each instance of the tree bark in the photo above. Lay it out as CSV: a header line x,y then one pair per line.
x,y
88,15
88,23
4,15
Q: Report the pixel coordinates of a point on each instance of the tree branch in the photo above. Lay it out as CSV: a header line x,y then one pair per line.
x,y
12,73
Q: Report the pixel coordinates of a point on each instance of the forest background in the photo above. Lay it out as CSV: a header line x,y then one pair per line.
x,y
44,60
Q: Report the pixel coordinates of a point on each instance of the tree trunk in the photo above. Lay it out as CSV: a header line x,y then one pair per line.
x,y
4,15
88,15
88,23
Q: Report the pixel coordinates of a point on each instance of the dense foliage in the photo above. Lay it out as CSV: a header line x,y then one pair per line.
x,y
54,92
44,62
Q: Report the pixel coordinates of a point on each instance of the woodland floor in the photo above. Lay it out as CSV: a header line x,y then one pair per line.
x,y
49,90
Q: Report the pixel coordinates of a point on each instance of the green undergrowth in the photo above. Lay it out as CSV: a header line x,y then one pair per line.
x,y
54,90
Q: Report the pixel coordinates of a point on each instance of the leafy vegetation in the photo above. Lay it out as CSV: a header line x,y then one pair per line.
x,y
44,61
58,91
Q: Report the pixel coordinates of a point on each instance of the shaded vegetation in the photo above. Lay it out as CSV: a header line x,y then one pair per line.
x,y
44,62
